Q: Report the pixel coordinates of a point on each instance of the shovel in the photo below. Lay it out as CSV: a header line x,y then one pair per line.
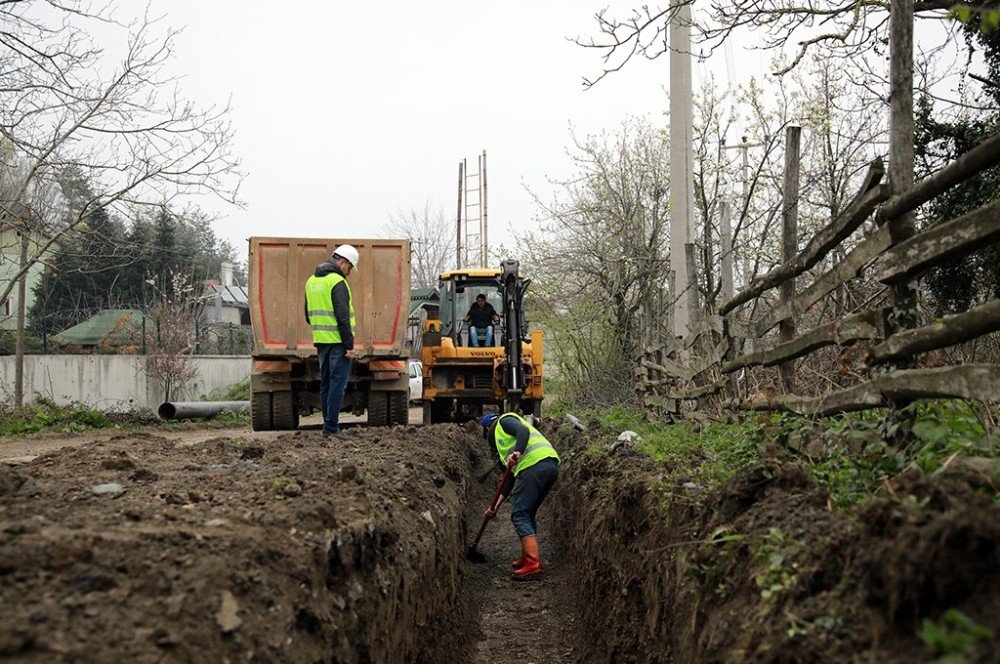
x,y
476,556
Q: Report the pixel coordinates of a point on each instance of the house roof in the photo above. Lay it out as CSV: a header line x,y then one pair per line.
x,y
424,294
115,327
15,227
233,296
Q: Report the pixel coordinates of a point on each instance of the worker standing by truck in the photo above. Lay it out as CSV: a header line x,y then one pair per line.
x,y
330,313
535,466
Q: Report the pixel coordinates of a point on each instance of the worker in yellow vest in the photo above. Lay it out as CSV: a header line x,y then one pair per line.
x,y
330,313
535,470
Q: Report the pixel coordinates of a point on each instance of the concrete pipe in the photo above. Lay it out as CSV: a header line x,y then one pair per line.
x,y
186,410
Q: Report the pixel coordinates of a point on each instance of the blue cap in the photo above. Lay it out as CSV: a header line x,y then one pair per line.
x,y
488,419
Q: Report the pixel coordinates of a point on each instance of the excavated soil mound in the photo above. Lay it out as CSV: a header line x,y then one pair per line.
x,y
761,569
141,549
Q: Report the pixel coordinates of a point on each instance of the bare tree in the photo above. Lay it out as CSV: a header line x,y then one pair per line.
x,y
848,29
171,339
600,259
120,123
430,237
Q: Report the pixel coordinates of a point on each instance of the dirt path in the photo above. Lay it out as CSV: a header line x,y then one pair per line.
x,y
21,449
530,621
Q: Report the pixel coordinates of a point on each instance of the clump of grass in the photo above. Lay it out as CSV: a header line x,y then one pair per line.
x,y
850,456
45,415
236,392
231,418
705,453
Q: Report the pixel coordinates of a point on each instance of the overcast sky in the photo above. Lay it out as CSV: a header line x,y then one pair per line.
x,y
346,113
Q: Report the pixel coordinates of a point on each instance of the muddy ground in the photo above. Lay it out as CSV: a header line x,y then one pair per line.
x,y
763,569
227,547
277,548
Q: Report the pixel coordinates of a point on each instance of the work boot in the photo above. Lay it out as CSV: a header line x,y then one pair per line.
x,y
519,562
533,560
340,435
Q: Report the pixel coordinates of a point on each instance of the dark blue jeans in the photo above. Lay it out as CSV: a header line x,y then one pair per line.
x,y
530,489
334,369
474,335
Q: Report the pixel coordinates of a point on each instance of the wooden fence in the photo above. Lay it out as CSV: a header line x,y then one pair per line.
x,y
715,361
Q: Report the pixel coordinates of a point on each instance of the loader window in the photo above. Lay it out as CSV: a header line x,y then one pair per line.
x,y
462,294
467,297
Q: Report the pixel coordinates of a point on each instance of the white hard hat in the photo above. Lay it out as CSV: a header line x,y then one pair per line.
x,y
348,253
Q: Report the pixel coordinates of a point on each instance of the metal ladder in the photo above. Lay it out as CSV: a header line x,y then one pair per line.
x,y
472,244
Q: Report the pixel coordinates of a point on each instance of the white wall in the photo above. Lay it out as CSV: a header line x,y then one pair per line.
x,y
114,382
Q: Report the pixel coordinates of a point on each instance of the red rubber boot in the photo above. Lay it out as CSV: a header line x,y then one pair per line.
x,y
533,560
519,562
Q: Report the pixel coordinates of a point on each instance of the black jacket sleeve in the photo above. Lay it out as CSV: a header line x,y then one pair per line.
x,y
342,310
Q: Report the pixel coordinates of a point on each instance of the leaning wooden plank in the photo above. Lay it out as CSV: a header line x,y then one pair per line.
x,y
697,392
859,209
670,368
948,331
978,159
941,244
693,393
864,325
975,382
703,327
850,267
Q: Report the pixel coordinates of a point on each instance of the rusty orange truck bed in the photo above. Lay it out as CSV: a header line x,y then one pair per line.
x,y
285,376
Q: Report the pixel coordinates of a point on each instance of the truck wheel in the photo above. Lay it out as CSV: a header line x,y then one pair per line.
x,y
378,409
399,408
260,411
283,411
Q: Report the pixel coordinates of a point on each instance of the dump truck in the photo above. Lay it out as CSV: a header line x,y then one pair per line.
x,y
284,378
461,379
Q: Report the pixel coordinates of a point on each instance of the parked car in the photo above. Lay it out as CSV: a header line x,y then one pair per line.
x,y
416,380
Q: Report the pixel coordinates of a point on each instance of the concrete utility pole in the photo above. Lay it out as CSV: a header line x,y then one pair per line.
x,y
726,240
22,293
904,296
681,168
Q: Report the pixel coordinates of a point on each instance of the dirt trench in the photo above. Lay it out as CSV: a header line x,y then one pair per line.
x,y
140,548
148,548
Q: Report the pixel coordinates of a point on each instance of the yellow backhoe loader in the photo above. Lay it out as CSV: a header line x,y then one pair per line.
x,y
461,379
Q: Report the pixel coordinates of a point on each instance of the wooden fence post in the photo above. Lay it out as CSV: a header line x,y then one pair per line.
x,y
789,245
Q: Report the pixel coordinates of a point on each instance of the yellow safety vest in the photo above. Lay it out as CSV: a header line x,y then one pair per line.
x,y
319,302
538,447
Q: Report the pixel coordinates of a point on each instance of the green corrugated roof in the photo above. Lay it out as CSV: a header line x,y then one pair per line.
x,y
114,327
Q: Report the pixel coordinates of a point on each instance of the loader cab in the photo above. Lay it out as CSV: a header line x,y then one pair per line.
x,y
459,289
460,380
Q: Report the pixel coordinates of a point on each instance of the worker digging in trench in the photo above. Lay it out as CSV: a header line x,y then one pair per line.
x,y
535,468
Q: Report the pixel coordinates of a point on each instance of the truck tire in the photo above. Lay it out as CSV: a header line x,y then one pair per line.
x,y
378,409
427,413
284,414
399,408
260,412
